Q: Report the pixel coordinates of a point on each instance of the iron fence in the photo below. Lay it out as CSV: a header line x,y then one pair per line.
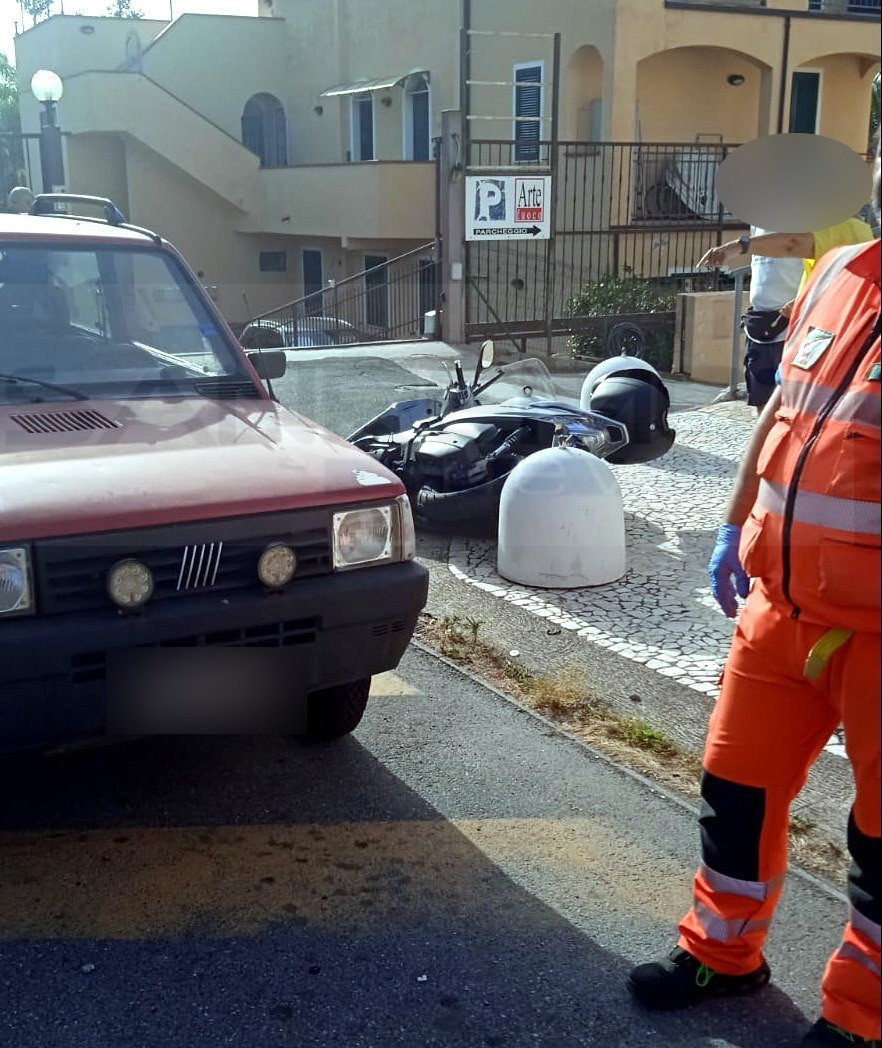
x,y
846,7
384,303
630,221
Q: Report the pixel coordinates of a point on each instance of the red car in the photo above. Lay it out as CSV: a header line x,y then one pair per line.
x,y
178,552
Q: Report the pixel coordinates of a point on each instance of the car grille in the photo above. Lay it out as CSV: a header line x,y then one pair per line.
x,y
72,573
91,667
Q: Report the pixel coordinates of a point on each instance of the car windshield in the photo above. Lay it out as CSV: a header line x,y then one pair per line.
x,y
105,321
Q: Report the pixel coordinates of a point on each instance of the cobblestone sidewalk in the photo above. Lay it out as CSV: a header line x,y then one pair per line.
x,y
661,613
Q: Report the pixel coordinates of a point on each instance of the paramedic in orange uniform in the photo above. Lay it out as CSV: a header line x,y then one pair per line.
x,y
804,522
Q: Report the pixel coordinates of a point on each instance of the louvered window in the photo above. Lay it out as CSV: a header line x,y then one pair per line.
x,y
527,104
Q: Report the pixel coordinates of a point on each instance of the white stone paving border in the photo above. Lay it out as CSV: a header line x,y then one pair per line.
x,y
661,612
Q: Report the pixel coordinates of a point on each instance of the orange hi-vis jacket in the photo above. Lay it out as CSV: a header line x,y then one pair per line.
x,y
813,535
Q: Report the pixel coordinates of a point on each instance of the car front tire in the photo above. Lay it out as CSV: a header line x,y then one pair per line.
x,y
337,711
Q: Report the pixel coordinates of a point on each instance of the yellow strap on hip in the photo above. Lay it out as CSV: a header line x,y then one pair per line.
x,y
821,653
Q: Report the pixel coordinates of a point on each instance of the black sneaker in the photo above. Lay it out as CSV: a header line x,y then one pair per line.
x,y
825,1033
682,980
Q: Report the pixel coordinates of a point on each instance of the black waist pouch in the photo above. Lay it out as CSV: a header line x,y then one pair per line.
x,y
764,325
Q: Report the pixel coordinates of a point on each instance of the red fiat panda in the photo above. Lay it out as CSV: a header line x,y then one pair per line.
x,y
178,552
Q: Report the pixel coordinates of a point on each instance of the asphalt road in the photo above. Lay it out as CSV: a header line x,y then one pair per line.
x,y
458,873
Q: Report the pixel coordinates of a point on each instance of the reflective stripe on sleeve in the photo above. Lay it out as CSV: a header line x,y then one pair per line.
x,y
722,930
869,929
809,398
759,890
824,511
847,952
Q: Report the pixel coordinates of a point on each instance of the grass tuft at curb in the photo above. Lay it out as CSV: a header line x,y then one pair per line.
x,y
631,742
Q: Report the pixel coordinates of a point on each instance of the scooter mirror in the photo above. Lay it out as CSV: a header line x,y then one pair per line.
x,y
485,359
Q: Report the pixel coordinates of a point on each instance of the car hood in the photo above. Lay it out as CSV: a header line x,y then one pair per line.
x,y
139,463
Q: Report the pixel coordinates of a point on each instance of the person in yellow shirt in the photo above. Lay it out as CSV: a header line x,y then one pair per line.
x,y
852,231
807,246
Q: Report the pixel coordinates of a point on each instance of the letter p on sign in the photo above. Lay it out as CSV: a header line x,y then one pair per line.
x,y
490,201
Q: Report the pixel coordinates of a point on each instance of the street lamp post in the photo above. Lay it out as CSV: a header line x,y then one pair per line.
x,y
48,89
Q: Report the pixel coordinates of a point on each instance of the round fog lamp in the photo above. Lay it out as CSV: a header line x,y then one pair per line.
x,y
130,584
276,566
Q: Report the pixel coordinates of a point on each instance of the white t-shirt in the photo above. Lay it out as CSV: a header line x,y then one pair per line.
x,y
773,281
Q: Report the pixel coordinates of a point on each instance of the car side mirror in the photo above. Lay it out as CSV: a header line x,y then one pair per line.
x,y
268,363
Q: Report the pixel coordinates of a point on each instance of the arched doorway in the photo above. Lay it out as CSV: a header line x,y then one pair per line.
x,y
265,130
712,92
830,95
133,61
583,113
417,118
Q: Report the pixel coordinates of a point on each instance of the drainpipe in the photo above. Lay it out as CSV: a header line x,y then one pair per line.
x,y
785,56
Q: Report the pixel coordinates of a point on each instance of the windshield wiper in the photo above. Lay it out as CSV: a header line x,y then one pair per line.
x,y
15,379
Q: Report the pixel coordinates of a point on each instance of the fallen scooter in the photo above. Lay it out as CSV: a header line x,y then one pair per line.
x,y
455,454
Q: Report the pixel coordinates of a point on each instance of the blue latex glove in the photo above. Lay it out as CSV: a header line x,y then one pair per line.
x,y
725,568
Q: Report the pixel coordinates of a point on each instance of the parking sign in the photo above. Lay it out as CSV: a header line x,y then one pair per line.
x,y
508,207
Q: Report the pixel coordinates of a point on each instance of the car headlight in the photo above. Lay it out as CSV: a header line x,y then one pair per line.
x,y
16,591
130,584
374,536
276,566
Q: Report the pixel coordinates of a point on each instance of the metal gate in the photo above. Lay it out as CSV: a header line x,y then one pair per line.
x,y
19,162
623,213
628,220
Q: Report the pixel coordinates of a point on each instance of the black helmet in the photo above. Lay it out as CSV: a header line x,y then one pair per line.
x,y
640,401
633,367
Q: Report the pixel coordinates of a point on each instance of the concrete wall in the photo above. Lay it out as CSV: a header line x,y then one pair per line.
x,y
215,63
704,330
97,164
388,201
685,92
60,44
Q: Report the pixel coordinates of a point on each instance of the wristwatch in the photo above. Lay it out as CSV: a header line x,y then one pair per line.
x,y
744,244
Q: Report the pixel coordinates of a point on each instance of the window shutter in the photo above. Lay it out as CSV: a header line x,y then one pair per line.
x,y
528,103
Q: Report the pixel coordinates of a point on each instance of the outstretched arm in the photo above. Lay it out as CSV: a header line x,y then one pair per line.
x,y
770,245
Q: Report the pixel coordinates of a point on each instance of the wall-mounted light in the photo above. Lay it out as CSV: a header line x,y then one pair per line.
x,y
386,101
87,30
736,80
318,110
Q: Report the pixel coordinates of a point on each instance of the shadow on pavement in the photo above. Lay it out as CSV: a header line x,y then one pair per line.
x,y
258,892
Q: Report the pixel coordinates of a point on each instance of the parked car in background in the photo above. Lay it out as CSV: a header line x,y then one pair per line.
x,y
178,552
303,333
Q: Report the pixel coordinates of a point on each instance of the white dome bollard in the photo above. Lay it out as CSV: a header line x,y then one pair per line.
x,y
561,522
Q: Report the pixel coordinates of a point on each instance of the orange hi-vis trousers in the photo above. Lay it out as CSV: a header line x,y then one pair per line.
x,y
768,727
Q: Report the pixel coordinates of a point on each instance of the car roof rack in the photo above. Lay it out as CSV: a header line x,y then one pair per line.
x,y
47,204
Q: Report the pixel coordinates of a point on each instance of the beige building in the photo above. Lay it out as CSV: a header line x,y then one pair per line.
x,y
292,148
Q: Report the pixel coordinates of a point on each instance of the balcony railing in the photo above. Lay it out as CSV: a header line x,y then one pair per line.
x,y
829,7
845,7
